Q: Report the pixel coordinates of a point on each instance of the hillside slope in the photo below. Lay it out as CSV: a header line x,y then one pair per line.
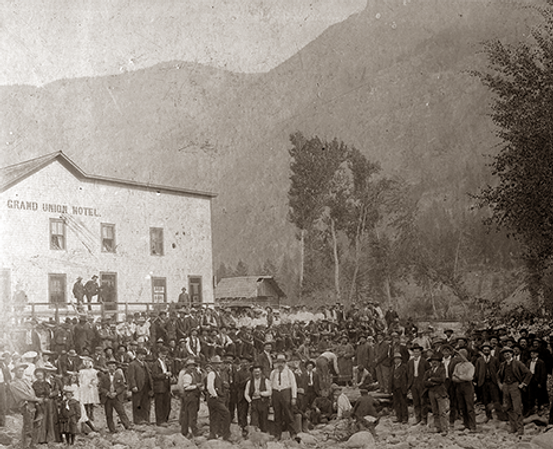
x,y
391,80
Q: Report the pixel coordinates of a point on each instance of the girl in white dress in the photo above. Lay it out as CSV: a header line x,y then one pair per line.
x,y
88,390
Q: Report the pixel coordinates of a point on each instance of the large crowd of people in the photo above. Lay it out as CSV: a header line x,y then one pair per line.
x,y
249,363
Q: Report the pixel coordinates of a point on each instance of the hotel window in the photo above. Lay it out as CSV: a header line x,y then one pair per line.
x,y
156,241
108,238
56,289
57,234
159,290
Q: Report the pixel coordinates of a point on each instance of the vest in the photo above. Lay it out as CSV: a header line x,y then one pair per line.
x,y
218,384
262,386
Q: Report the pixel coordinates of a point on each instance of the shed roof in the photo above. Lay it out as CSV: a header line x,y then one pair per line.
x,y
245,287
13,174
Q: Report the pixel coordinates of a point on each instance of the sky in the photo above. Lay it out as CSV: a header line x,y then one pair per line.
x,y
45,40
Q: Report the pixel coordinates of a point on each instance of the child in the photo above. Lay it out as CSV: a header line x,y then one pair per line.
x,y
69,415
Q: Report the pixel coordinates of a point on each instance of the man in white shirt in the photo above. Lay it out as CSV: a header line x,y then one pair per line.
x,y
258,393
189,386
284,394
219,415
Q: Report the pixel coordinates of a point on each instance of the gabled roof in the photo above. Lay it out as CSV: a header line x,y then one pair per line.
x,y
13,174
245,287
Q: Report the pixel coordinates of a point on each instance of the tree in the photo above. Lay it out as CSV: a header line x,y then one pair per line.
x,y
269,268
222,271
313,167
241,269
521,78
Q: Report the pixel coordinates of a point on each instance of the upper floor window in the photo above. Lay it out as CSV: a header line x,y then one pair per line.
x,y
57,234
108,238
156,241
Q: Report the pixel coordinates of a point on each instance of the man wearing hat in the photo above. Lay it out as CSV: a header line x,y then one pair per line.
x,y
189,385
416,367
434,381
78,290
258,393
113,388
219,415
537,389
284,395
25,401
91,289
513,376
485,376
140,384
449,336
399,387
161,379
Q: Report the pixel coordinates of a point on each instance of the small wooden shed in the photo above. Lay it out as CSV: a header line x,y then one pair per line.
x,y
260,290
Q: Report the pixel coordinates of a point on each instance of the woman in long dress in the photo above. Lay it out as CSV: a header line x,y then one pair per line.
x,y
47,410
88,394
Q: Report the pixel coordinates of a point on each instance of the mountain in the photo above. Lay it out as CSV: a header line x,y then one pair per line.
x,y
392,80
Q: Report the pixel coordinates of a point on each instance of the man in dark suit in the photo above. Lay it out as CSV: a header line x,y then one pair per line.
x,y
313,384
434,381
161,377
264,359
112,389
537,389
140,383
513,376
485,377
398,385
416,367
449,362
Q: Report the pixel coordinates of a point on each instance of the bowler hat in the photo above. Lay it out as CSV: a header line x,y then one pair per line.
x,y
216,359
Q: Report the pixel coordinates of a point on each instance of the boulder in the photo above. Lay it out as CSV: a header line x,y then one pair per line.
x,y
148,443
544,441
5,439
247,444
217,444
307,439
275,445
363,440
175,439
128,438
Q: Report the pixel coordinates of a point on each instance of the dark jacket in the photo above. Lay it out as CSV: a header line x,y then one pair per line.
x,y
139,376
540,373
398,378
161,382
119,385
480,370
434,381
520,372
424,365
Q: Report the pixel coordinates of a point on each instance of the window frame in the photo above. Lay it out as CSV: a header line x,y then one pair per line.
x,y
159,278
152,231
63,235
191,290
63,278
107,226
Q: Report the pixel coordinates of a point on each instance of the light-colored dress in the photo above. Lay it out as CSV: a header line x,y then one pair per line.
x,y
88,390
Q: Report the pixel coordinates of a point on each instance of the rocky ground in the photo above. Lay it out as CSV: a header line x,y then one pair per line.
x,y
389,435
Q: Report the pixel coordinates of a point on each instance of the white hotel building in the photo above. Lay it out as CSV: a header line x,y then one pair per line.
x,y
144,242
